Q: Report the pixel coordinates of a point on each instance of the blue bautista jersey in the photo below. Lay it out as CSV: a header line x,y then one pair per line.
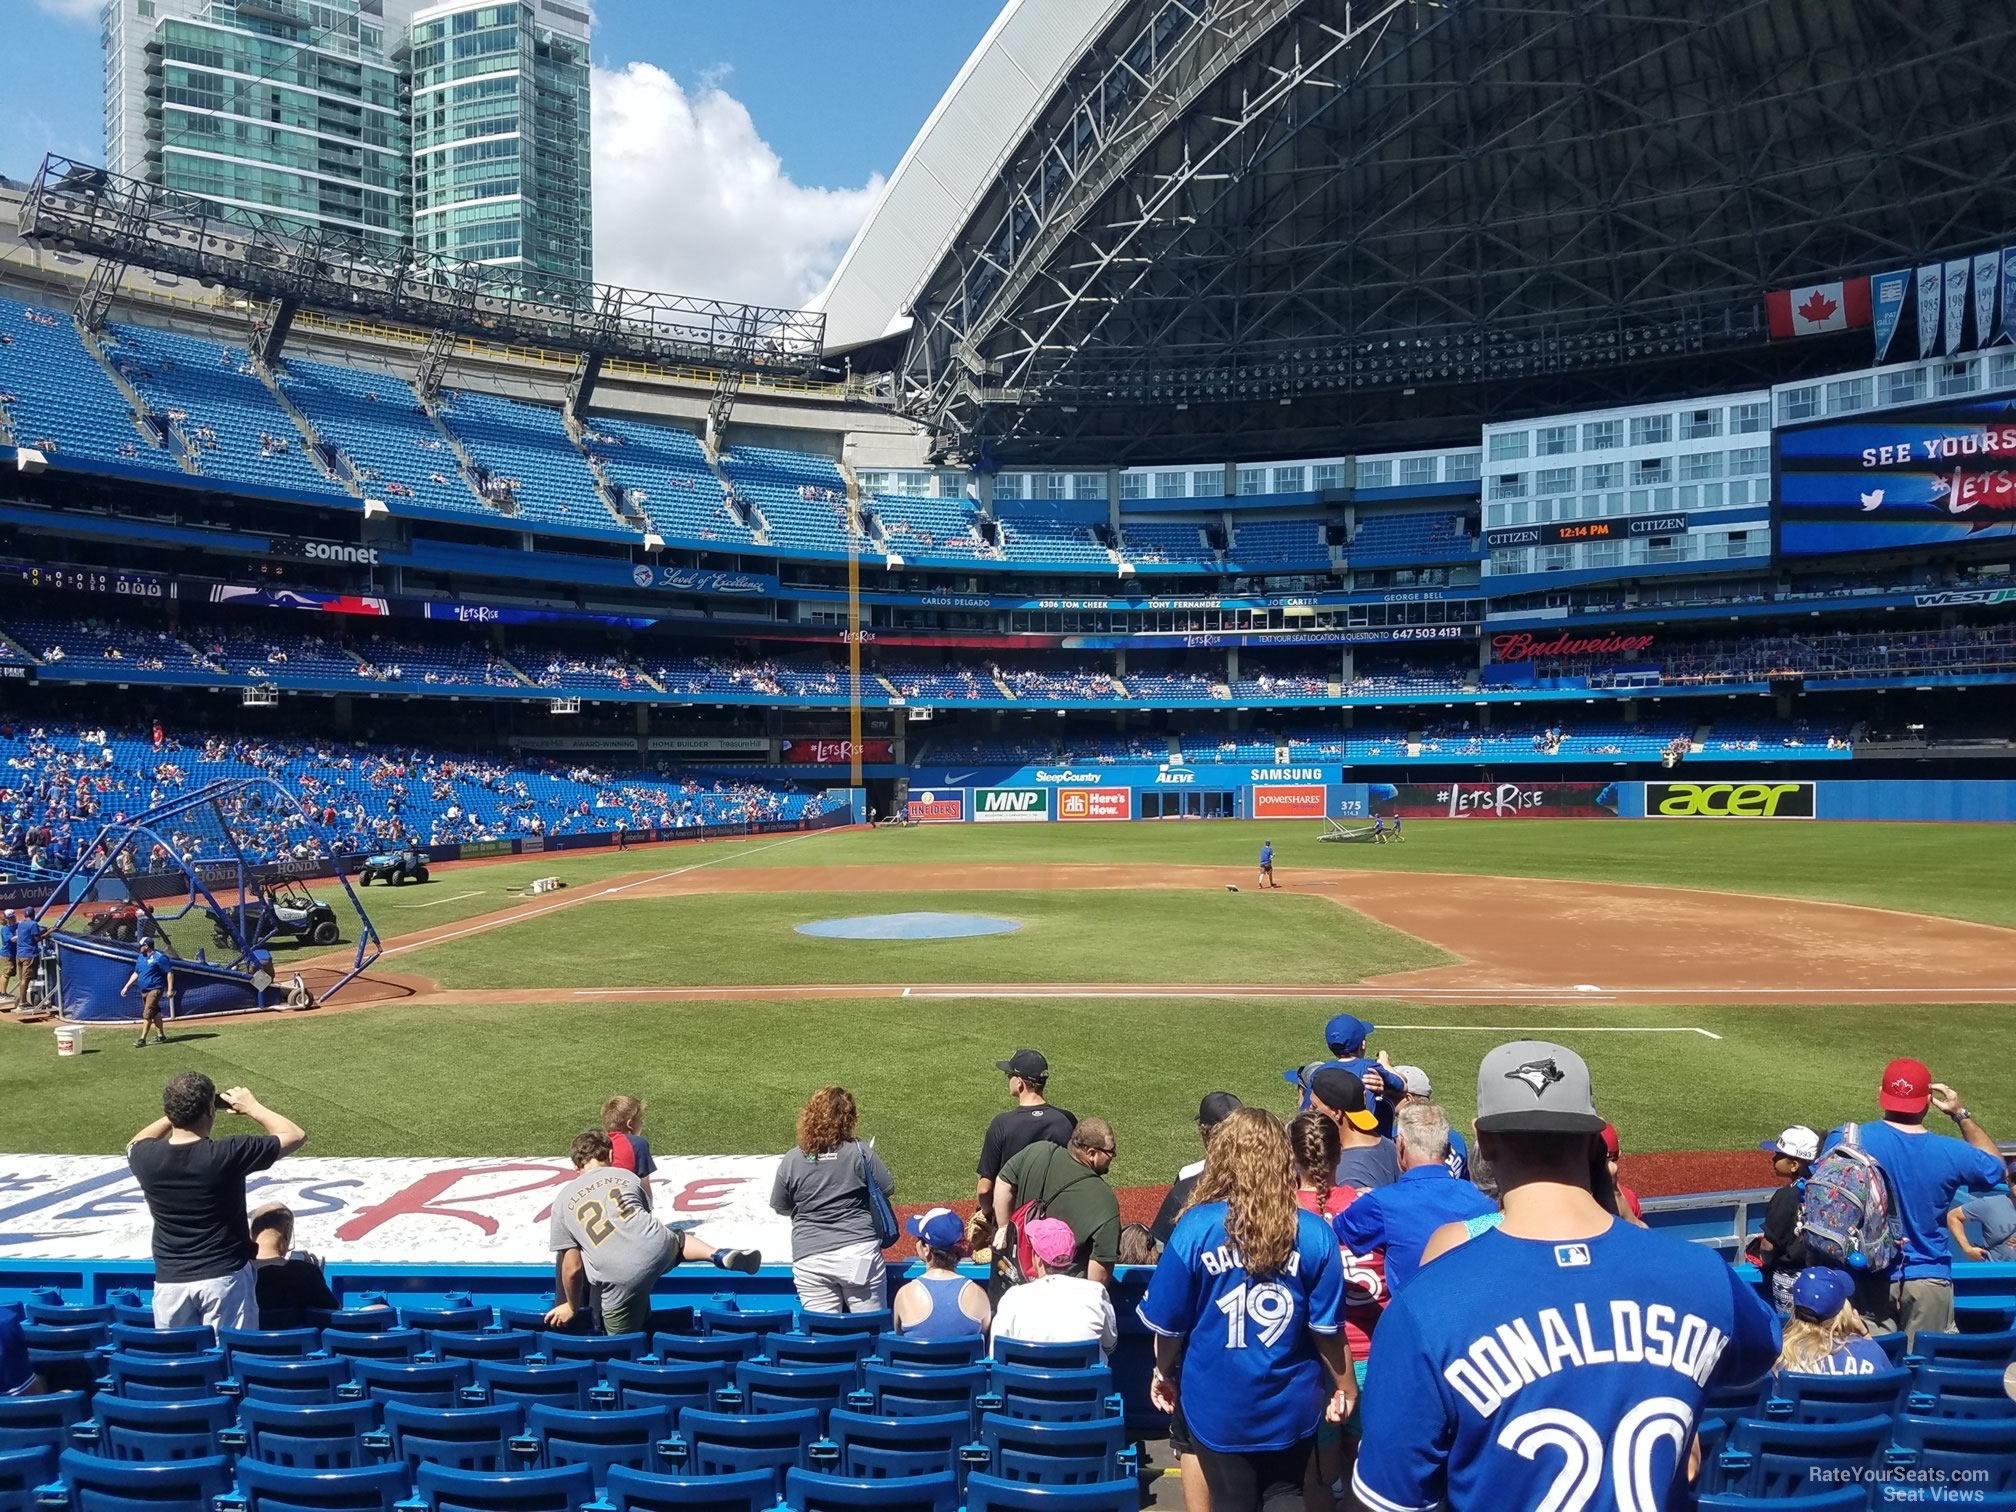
x,y
1528,1373
1251,1379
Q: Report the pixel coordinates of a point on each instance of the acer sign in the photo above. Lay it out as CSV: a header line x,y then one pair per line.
x,y
1521,645
836,752
1730,800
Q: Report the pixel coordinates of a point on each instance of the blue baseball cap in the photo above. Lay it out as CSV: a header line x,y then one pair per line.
x,y
1347,1032
1819,1292
941,1228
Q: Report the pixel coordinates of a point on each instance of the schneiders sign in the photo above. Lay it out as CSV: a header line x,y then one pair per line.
x,y
1731,800
1017,805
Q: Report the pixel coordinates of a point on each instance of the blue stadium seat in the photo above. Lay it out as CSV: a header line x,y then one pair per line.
x,y
67,1356
490,1344
1057,1454
722,1316
1996,1349
811,1491
729,1349
268,1341
646,1491
668,1383
1957,1391
107,1485
790,1388
987,1493
358,1344
164,1378
149,1431
528,1319
928,1354
1892,1344
1797,1398
896,1392
22,1469
1976,1454
573,1346
128,1308
721,1443
672,1318
870,1446
326,1436
1074,1356
287,1488
561,1489
869,1320
281,1378
424,1383
1765,1459
47,1306
166,1341
563,1385
40,1422
458,1317
817,1349
473,1438
1845,1499
1051,1396
562,1436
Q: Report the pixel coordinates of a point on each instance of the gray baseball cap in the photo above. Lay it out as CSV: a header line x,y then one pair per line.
x,y
1531,1086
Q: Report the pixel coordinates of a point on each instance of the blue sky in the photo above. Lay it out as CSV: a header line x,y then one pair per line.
x,y
766,123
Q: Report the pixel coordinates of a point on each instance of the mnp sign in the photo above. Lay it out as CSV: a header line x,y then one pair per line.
x,y
1730,800
1011,805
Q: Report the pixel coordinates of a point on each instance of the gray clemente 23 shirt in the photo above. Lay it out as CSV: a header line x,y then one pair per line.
x,y
826,1197
601,1213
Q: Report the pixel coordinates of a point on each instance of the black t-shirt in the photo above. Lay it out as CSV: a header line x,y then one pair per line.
x,y
1781,1227
1173,1204
289,1289
196,1193
1012,1132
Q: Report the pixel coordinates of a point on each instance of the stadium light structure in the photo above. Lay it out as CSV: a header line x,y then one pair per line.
x,y
127,222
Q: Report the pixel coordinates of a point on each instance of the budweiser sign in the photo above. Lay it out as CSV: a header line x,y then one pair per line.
x,y
1517,646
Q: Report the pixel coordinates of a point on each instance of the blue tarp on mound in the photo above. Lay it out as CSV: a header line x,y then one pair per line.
x,y
92,972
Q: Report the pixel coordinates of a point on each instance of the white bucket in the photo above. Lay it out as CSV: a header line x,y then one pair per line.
x,y
69,1039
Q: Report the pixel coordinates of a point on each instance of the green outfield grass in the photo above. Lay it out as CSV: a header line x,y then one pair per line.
x,y
728,1077
736,939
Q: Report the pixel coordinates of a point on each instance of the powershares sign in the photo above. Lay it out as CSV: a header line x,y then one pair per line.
x,y
1017,805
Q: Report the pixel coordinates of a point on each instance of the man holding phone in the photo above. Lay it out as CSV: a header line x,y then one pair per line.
x,y
195,1190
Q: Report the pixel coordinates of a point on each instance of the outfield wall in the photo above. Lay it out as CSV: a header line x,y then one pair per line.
x,y
1099,793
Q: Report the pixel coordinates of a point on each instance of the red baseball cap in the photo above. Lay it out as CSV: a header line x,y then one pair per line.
x,y
1610,1144
1906,1087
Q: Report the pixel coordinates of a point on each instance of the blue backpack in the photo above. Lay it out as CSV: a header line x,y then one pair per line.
x,y
1846,1216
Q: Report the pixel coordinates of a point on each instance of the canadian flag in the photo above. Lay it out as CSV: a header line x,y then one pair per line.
x,y
1818,309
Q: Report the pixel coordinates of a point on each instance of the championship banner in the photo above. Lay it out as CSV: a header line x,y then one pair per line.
x,y
2009,293
1887,291
1495,800
1929,281
1730,800
1956,303
1987,266
387,1212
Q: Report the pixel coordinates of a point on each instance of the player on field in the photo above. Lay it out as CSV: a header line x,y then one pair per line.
x,y
1246,1305
1561,1359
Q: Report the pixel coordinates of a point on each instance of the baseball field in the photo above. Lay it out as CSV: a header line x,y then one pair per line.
x,y
1722,979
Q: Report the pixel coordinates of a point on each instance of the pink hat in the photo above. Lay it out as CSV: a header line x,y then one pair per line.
x,y
1051,1241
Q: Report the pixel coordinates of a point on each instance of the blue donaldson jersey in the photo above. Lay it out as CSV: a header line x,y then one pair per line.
x,y
1526,1373
1251,1379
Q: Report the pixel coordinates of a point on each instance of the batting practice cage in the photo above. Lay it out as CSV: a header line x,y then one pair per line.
x,y
231,880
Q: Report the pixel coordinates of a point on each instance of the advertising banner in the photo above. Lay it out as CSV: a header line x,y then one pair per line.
x,y
1289,802
1095,803
1935,475
399,1211
935,807
1017,805
2009,293
836,752
1496,800
1730,800
710,745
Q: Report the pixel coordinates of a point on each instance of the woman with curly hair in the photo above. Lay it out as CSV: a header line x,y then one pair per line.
x,y
822,1187
1246,1306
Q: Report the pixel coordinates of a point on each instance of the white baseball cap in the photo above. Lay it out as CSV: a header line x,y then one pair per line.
x,y
1799,1142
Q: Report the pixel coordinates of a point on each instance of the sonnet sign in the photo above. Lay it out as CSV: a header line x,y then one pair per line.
x,y
1519,645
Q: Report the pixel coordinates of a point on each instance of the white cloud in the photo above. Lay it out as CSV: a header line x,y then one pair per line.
x,y
689,198
71,10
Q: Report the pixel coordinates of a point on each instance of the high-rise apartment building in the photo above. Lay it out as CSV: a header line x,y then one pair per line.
x,y
459,127
500,133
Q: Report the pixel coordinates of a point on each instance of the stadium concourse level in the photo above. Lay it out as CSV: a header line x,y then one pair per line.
x,y
59,784
138,400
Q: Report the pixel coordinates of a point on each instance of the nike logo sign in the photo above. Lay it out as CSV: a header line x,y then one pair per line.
x,y
953,779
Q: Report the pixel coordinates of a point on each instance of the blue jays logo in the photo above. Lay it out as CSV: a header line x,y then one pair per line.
x,y
1537,1074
